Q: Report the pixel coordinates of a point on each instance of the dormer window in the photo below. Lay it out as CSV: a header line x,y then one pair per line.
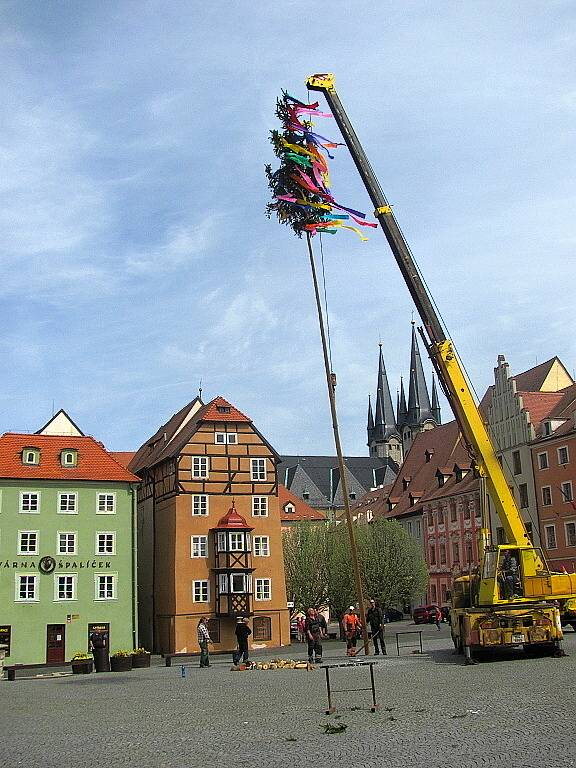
x,y
352,495
31,456
406,482
547,427
305,494
413,499
428,454
69,457
223,408
289,509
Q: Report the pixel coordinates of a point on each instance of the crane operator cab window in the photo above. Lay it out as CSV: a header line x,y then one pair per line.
x,y
509,580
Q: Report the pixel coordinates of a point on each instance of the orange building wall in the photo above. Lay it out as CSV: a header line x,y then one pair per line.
x,y
229,479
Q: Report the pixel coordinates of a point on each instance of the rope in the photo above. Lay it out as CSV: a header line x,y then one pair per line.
x,y
326,303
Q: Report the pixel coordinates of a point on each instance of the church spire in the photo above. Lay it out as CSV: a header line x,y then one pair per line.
x,y
384,422
418,401
370,421
435,404
402,410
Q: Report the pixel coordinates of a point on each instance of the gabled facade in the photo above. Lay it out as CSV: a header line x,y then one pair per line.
x,y
515,407
293,510
67,545
209,529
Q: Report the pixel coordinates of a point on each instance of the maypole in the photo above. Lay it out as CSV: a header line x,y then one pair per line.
x,y
302,200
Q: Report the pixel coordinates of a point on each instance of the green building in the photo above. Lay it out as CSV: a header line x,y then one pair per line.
x,y
67,545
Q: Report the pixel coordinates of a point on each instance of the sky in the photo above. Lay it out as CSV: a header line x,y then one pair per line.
x,y
136,257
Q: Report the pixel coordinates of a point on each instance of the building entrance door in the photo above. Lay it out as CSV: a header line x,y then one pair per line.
x,y
55,643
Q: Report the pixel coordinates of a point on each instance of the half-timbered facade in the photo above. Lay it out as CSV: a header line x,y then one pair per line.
x,y
209,531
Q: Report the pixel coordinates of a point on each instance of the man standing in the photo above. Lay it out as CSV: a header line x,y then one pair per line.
x,y
203,640
315,628
351,625
375,620
242,632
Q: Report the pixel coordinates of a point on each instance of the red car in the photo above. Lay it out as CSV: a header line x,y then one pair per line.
x,y
425,614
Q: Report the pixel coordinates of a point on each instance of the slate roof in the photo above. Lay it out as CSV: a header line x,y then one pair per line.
x,y
319,476
94,461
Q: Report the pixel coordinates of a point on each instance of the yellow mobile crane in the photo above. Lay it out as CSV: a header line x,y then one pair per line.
x,y
513,599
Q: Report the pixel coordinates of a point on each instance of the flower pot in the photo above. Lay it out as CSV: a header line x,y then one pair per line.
x,y
140,660
121,663
82,666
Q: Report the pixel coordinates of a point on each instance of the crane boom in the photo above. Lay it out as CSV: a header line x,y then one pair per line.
x,y
440,348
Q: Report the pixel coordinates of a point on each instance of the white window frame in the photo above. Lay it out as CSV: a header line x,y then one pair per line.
x,y
105,511
549,489
258,472
71,494
567,537
97,549
35,454
199,501
23,511
563,491
236,541
226,438
57,577
201,588
221,542
261,546
259,506
199,546
17,597
244,587
36,534
563,448
546,542
69,452
540,456
223,583
97,580
59,543
263,589
203,467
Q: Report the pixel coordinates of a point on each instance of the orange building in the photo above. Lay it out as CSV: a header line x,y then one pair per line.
x,y
293,510
209,531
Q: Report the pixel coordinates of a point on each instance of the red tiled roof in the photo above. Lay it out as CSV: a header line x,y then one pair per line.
x,y
448,449
233,519
375,501
302,511
123,457
94,461
539,405
212,412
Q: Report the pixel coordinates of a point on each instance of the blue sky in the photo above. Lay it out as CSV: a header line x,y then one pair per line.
x,y
136,257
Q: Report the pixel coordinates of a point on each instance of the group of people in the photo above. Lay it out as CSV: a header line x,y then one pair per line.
x,y
312,629
242,633
352,628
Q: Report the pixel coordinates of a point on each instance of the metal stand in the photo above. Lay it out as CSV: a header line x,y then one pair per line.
x,y
331,709
413,632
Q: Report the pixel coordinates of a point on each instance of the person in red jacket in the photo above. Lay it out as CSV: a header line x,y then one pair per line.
x,y
351,626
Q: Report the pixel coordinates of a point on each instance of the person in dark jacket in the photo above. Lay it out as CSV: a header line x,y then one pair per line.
x,y
242,633
375,620
315,628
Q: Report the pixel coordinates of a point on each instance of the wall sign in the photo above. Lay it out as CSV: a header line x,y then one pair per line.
x,y
48,564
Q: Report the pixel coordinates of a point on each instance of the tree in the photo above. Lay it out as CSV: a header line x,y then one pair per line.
x,y
391,562
305,565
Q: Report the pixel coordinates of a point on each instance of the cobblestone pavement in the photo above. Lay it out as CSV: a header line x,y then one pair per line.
x,y
433,712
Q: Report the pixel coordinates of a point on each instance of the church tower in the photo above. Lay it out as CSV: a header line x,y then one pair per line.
x,y
384,439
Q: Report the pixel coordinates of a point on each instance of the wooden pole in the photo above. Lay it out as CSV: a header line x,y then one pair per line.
x,y
331,383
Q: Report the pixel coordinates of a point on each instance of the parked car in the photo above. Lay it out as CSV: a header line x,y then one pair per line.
x,y
425,614
392,614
